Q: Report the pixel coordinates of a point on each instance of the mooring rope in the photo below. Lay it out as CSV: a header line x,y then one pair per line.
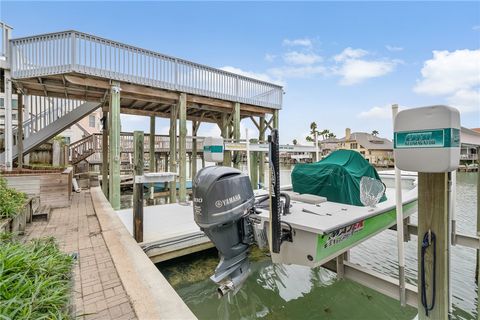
x,y
428,239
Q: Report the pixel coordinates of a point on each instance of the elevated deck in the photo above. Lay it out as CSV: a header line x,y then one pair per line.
x,y
72,64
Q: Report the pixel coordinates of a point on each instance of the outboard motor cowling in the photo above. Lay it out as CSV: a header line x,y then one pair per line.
x,y
223,198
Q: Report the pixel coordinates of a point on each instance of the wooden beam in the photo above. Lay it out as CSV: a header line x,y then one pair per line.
x,y
173,153
146,113
182,150
195,126
261,155
151,153
236,133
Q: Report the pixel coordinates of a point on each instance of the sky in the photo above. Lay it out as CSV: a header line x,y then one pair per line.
x,y
342,64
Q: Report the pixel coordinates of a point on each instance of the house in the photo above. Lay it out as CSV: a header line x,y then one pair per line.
x,y
378,151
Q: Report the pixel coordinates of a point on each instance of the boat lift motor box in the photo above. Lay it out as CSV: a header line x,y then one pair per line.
x,y
213,149
427,139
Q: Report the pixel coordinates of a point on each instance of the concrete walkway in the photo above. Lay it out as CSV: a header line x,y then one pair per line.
x,y
99,293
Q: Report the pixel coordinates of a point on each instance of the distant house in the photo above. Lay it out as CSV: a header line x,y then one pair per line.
x,y
378,151
329,145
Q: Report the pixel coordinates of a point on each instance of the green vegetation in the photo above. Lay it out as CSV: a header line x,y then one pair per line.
x,y
11,200
35,280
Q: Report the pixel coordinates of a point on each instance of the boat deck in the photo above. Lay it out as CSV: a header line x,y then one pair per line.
x,y
168,231
329,216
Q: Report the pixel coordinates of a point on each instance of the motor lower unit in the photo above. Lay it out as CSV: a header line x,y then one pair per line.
x,y
223,200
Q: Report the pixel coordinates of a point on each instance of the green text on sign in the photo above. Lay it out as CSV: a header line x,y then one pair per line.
x,y
213,149
435,138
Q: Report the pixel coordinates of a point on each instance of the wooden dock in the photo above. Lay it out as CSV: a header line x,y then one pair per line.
x,y
169,231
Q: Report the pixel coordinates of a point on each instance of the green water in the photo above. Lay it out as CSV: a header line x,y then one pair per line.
x,y
295,292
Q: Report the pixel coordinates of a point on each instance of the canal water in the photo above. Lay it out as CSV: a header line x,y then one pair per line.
x,y
294,292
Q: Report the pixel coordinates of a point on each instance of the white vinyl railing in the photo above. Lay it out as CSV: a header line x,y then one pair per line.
x,y
73,51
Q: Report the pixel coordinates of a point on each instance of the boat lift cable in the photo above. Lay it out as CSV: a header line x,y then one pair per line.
x,y
428,239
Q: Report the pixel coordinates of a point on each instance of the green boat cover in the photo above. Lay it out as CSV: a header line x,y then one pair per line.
x,y
337,177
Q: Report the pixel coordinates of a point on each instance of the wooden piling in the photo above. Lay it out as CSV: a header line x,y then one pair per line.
x,y
182,150
433,215
138,142
195,126
173,152
236,132
114,146
151,152
105,154
261,155
20,130
254,167
225,132
478,227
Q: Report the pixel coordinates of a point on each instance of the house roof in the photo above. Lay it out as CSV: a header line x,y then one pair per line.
x,y
369,141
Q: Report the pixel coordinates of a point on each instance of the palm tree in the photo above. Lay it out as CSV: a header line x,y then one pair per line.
x,y
309,139
331,135
374,133
313,129
295,142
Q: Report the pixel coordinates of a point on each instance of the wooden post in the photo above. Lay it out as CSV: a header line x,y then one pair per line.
x,y
173,152
152,153
254,167
275,119
105,154
195,126
203,160
114,146
8,129
261,155
433,215
138,187
225,132
20,130
165,164
236,132
182,150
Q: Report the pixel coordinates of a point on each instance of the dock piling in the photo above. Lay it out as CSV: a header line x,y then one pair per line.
x,y
105,154
114,146
433,217
182,150
173,152
152,153
138,164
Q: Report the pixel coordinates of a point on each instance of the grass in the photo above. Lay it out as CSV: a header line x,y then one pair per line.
x,y
11,200
35,280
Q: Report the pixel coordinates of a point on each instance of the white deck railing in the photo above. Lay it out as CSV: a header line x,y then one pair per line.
x,y
72,51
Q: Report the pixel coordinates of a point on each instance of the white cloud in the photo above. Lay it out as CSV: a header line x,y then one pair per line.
x,y
377,113
466,100
270,57
355,70
297,72
299,58
349,53
393,48
302,42
476,28
454,76
448,72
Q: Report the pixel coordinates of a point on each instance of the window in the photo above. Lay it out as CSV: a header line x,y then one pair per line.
x,y
353,146
91,121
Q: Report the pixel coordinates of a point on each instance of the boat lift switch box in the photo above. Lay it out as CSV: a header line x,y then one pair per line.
x,y
213,149
427,139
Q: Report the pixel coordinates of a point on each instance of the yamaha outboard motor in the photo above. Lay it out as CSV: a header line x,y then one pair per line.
x,y
223,199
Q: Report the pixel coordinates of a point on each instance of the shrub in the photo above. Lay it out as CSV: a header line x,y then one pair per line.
x,y
35,280
11,200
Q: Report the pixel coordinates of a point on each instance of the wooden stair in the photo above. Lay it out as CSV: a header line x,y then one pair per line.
x,y
42,213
